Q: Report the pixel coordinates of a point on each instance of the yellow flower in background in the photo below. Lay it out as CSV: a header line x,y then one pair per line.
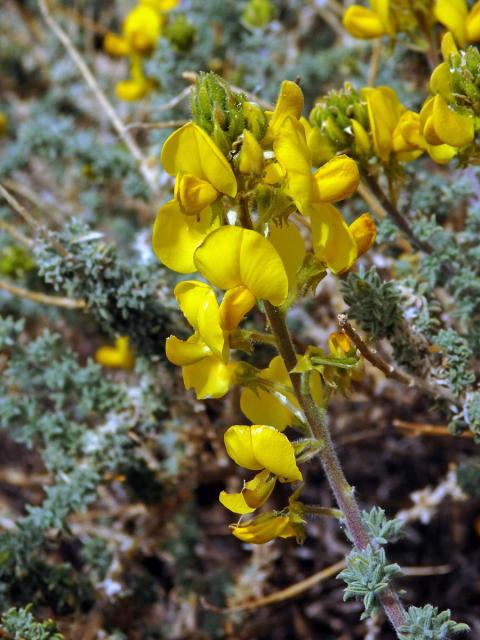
x,y
137,86
140,32
365,23
455,16
176,236
259,448
264,528
119,356
3,123
232,257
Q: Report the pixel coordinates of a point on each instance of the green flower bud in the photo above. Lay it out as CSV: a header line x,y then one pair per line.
x,y
258,13
255,119
180,33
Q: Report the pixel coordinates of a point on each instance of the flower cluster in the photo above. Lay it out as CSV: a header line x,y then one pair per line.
x,y
140,32
243,178
390,17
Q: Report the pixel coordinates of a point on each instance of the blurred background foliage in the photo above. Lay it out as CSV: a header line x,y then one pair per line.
x,y
109,478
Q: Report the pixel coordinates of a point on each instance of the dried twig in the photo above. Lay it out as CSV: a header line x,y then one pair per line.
x,y
15,234
389,370
148,173
42,298
374,61
422,429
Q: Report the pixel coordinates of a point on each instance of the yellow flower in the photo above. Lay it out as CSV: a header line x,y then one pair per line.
x,y
289,244
140,32
408,140
440,124
259,448
176,236
204,356
251,155
384,112
133,89
335,180
119,356
369,23
264,528
336,243
464,24
189,151
278,408
232,257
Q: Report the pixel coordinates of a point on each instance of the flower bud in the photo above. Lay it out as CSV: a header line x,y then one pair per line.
x,y
255,119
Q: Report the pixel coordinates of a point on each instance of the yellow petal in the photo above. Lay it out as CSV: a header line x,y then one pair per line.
x,y
318,143
262,407
176,236
191,150
199,305
273,173
384,111
254,494
251,155
232,256
293,155
274,452
451,127
289,244
441,153
115,45
336,180
238,443
120,356
210,377
193,193
452,14
448,45
332,240
363,23
339,344
364,232
185,352
289,104
440,81
263,529
235,502
406,136
236,303
362,141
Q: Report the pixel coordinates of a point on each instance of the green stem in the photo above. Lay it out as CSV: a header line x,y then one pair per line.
x,y
342,490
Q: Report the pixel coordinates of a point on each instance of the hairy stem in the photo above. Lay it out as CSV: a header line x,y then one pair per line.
x,y
342,490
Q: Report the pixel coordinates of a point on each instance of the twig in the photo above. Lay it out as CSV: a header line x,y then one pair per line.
x,y
166,106
374,61
148,174
15,234
422,429
388,369
42,298
58,217
395,214
289,592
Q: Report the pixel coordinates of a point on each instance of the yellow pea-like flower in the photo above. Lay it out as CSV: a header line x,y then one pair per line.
x,y
362,141
236,303
365,23
264,528
230,257
133,89
141,29
115,45
364,232
454,15
119,356
318,143
190,150
260,447
451,127
176,236
290,246
408,141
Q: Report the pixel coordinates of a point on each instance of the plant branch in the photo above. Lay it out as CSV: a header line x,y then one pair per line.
x,y
16,234
343,492
147,172
42,298
389,370
391,210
